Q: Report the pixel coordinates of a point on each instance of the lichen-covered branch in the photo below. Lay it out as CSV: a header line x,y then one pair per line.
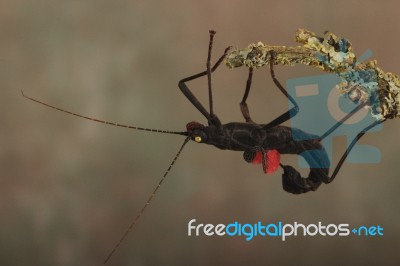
x,y
364,82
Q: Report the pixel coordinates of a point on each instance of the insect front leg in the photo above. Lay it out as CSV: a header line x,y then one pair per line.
x,y
211,118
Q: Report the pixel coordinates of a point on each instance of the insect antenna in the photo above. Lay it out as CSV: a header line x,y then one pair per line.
x,y
136,219
208,65
149,200
184,133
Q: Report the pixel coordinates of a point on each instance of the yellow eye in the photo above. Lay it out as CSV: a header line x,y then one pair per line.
x,y
197,139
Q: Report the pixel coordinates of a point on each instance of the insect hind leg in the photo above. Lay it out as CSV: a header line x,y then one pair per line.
x,y
293,182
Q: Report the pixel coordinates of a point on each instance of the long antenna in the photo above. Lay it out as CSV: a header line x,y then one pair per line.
x,y
212,33
107,122
136,219
149,200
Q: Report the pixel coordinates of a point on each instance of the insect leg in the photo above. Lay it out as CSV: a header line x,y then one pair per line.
x,y
292,112
335,126
243,105
293,182
344,156
189,95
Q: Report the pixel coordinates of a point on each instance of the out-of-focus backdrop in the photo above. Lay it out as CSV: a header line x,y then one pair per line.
x,y
70,187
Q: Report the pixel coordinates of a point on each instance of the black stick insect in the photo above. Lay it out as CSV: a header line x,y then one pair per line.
x,y
362,83
261,143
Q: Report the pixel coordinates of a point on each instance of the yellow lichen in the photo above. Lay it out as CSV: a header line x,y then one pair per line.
x,y
331,54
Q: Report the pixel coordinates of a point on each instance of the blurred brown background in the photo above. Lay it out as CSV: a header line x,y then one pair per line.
x,y
70,187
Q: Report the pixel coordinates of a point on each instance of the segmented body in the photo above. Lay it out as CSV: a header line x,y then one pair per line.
x,y
253,138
